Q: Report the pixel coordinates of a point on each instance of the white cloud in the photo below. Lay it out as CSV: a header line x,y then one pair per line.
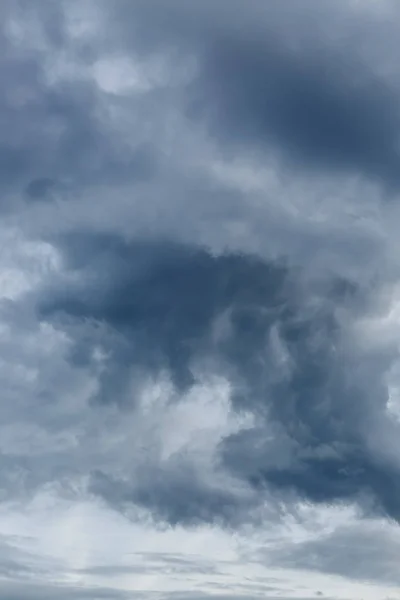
x,y
84,543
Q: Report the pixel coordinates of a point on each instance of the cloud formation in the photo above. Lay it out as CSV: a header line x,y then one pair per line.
x,y
199,299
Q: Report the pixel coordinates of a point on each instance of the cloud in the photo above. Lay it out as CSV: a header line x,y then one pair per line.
x,y
304,82
350,552
139,559
199,298
182,310
315,106
15,591
56,136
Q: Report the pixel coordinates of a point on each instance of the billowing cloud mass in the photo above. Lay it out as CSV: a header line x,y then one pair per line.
x,y
199,300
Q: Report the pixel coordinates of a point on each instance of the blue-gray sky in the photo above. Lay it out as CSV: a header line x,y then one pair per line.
x,y
199,299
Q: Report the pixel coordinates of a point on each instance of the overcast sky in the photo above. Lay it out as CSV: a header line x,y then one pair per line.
x,y
199,299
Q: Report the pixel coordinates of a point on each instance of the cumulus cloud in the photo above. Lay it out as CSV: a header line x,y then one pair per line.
x,y
199,300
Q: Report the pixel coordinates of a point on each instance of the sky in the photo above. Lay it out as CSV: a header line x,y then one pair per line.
x,y
199,300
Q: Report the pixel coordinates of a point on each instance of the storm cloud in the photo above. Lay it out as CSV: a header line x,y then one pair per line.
x,y
199,297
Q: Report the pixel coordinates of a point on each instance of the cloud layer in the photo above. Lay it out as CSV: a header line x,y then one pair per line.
x,y
199,300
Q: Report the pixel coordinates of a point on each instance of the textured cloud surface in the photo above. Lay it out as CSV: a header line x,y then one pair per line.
x,y
199,300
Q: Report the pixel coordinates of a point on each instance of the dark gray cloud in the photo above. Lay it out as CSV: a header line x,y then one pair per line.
x,y
320,111
198,279
56,135
299,81
347,552
164,298
173,307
